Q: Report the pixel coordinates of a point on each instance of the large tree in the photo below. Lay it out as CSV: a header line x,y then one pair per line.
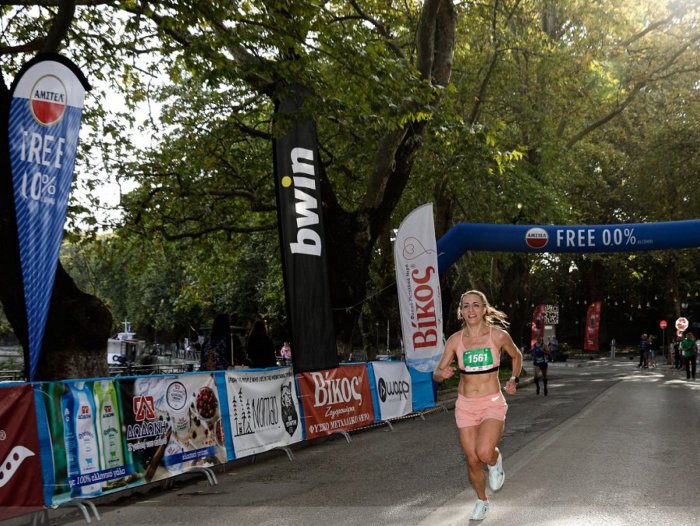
x,y
375,75
246,56
505,111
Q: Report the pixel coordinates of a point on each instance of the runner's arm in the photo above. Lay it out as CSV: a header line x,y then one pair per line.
x,y
443,371
505,342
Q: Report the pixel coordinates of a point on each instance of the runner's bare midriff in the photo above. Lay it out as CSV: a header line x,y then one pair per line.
x,y
471,385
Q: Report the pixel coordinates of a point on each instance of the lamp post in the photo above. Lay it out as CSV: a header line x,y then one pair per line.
x,y
662,325
387,338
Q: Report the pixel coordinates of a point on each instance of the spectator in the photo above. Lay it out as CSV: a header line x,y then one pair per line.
x,y
677,360
261,350
286,353
652,351
216,351
553,346
689,351
643,351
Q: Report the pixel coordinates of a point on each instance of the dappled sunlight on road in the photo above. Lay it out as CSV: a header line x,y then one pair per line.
x,y
682,383
663,376
643,377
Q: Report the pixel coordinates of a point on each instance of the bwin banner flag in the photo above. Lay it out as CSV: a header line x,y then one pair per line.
x,y
299,210
44,120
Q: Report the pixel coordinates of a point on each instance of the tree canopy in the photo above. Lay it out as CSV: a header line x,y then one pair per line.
x,y
520,111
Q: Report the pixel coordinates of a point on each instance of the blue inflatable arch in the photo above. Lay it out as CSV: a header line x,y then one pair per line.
x,y
633,237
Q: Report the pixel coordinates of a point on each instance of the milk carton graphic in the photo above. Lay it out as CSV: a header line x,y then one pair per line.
x,y
82,453
108,424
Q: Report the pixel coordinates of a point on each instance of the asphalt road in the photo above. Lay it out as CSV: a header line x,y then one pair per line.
x,y
610,445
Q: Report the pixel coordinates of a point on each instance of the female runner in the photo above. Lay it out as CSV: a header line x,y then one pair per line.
x,y
480,410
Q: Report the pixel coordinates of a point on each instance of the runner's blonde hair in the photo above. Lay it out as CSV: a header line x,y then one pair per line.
x,y
492,315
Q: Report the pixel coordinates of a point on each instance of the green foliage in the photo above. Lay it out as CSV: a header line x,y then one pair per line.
x,y
572,112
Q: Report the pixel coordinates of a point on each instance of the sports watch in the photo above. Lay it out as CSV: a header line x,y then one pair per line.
x,y
515,379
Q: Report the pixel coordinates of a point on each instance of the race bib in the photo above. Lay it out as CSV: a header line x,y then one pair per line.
x,y
477,359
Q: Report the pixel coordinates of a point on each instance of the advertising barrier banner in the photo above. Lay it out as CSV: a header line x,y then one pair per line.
x,y
61,441
45,113
83,450
104,435
392,382
172,424
424,389
263,411
20,468
335,400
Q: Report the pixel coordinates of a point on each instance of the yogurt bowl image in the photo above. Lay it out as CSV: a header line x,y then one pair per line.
x,y
206,404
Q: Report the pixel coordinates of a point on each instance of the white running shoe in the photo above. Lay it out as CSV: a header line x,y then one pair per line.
x,y
479,511
496,474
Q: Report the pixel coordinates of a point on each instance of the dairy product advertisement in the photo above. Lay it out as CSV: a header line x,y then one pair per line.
x,y
172,424
83,445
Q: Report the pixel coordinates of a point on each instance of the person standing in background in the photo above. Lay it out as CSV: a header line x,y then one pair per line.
x,y
553,346
652,352
643,351
677,359
689,351
286,353
261,349
216,351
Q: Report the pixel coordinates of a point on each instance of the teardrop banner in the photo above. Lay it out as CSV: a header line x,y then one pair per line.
x,y
590,340
298,175
46,106
418,286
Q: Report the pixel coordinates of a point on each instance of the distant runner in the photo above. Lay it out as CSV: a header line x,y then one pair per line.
x,y
539,362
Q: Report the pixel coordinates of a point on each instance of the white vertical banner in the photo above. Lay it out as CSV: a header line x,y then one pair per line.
x,y
393,384
418,286
263,410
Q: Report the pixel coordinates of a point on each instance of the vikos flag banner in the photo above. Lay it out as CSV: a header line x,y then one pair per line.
x,y
418,286
44,120
297,178
590,339
537,324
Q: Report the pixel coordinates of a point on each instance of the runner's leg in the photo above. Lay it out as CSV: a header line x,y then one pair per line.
x,y
468,437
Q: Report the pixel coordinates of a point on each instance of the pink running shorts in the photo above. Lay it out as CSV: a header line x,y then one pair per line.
x,y
471,411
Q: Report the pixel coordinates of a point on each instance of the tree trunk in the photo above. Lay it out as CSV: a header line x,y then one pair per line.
x,y
514,291
352,243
